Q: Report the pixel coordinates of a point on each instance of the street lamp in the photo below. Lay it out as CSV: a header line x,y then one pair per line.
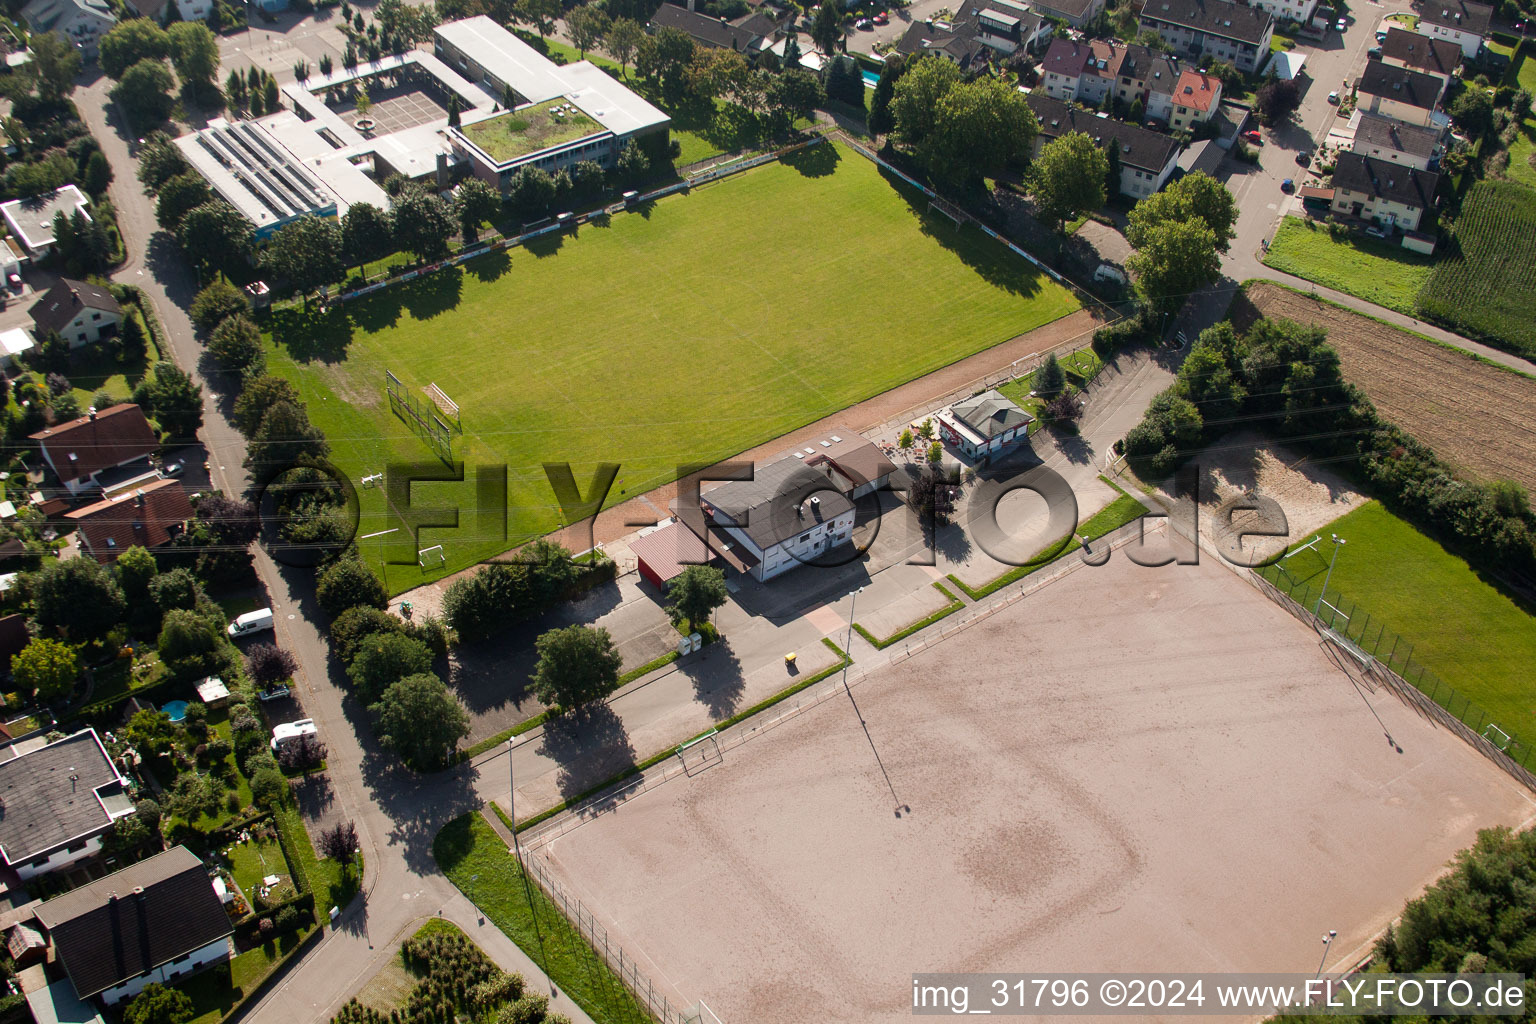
x,y
1338,542
848,647
517,851
1327,942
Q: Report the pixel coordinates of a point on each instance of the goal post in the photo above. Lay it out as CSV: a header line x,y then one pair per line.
x,y
445,405
942,208
1498,737
433,556
700,751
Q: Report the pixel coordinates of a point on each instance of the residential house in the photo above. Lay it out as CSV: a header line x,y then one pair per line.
x,y
1397,142
58,801
997,28
949,40
1390,194
1082,70
1463,22
1299,11
748,35
796,508
81,450
187,10
1076,13
1409,96
81,313
983,426
1221,29
1147,158
82,22
150,516
31,219
1196,97
154,921
1426,54
1150,76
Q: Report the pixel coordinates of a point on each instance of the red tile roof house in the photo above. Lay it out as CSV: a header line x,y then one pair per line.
x,y
80,450
149,516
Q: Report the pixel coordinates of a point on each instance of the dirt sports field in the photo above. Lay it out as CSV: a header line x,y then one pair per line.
x,y
1133,769
1475,415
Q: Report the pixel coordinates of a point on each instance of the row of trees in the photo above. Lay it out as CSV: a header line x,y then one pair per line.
x,y
134,53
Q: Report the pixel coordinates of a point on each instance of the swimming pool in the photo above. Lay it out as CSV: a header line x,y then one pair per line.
x,y
176,709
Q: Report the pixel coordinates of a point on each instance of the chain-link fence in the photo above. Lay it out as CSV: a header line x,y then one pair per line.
x,y
1388,657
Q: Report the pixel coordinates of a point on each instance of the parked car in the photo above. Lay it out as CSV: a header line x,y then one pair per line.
x,y
1341,24
1375,232
251,622
1374,53
863,24
1253,136
1287,185
290,731
174,468
1381,35
882,18
1304,158
1333,97
275,693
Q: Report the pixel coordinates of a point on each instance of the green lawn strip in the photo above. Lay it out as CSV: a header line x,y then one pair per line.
x,y
324,878
955,604
1424,337
543,716
1472,635
843,661
476,860
634,388
1522,151
1378,272
1124,509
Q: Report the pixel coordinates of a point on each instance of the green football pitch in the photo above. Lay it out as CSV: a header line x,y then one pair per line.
x,y
681,333
1464,630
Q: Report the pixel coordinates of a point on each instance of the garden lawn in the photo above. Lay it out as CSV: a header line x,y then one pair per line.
x,y
1522,69
215,992
1463,629
1521,151
685,332
475,859
1387,275
253,861
332,886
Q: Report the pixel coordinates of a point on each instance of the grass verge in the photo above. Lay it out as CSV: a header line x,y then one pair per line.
x,y
475,859
1387,275
1124,509
955,604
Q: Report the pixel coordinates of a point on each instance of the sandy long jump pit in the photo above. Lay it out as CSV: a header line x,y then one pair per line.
x,y
1133,769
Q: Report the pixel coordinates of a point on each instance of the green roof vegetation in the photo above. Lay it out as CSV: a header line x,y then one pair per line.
x,y
530,129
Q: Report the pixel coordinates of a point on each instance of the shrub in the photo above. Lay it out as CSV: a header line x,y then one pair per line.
x,y
268,787
350,584
531,1008
267,664
216,302
355,625
286,920
385,659
267,929
243,720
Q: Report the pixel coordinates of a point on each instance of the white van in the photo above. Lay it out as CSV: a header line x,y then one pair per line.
x,y
1108,272
251,622
290,731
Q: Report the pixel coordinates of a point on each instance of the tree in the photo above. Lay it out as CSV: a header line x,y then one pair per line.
x,y
980,127
366,234
348,584
302,754
259,395
531,190
694,594
480,604
1175,260
880,120
177,589
843,81
46,668
97,176
308,252
230,520
195,52
145,91
827,27
383,659
180,196
664,56
159,158
268,786
586,26
215,302
130,42
1050,378
215,235
455,117
541,14
1276,100
1195,196
78,599
159,1005
269,664
577,665
236,344
624,37
932,496
1473,112
177,401
136,568
419,719
285,439
793,95
915,100
423,223
476,203
191,644
1068,177
340,844
55,62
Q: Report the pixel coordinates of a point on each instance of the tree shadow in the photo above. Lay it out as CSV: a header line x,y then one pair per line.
x,y
717,678
546,245
1073,446
321,335
432,294
995,263
590,745
817,161
490,267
